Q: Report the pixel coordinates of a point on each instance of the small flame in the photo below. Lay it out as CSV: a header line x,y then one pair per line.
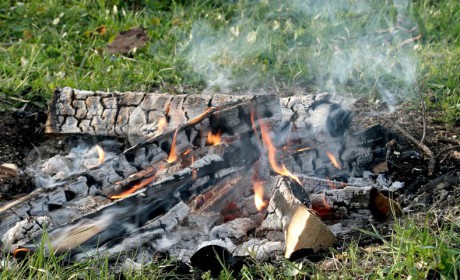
x,y
259,196
214,139
200,117
134,188
162,125
280,169
172,152
101,153
333,160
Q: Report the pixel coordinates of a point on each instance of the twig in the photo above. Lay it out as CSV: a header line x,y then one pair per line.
x,y
419,144
410,40
422,104
449,141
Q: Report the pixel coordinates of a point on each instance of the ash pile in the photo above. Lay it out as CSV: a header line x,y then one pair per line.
x,y
255,175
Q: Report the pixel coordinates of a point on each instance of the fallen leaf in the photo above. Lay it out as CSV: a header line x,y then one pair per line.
x,y
101,30
126,41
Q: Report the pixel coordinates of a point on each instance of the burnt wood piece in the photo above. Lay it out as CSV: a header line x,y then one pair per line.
x,y
137,115
354,153
350,202
152,211
102,179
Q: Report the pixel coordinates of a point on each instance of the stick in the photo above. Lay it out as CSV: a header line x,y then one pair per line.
x,y
410,40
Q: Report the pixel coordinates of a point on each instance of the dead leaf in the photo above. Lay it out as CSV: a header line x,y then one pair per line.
x,y
101,30
126,41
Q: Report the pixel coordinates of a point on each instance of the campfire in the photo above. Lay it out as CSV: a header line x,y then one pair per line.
x,y
252,173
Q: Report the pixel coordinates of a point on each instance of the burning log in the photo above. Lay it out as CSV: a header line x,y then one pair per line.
x,y
122,114
102,179
350,202
145,115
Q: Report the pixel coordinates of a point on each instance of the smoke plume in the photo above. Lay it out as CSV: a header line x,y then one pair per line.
x,y
344,47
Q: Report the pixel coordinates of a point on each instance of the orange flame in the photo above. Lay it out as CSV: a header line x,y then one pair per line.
x,y
134,188
280,169
333,160
162,125
200,117
173,153
259,196
101,154
214,139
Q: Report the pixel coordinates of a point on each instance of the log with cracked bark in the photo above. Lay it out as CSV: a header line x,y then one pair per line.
x,y
110,177
143,115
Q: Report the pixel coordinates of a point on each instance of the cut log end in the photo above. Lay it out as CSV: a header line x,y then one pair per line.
x,y
307,231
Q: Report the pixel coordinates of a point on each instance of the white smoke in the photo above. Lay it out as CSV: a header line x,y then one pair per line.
x,y
343,47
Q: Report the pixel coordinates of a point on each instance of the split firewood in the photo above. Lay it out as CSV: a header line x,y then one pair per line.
x,y
307,231
8,170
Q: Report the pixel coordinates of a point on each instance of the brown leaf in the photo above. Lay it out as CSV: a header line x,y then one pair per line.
x,y
126,41
101,30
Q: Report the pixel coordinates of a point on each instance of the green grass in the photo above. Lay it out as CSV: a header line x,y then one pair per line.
x,y
416,249
351,49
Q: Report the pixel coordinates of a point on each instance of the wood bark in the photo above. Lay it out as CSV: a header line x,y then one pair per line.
x,y
137,114
104,179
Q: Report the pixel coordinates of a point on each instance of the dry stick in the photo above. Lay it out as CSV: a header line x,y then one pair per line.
x,y
422,103
449,141
410,40
446,150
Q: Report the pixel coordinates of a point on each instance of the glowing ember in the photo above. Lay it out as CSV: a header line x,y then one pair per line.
x,y
259,196
134,188
214,139
304,149
200,117
18,250
162,125
282,170
323,209
172,152
101,153
333,160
